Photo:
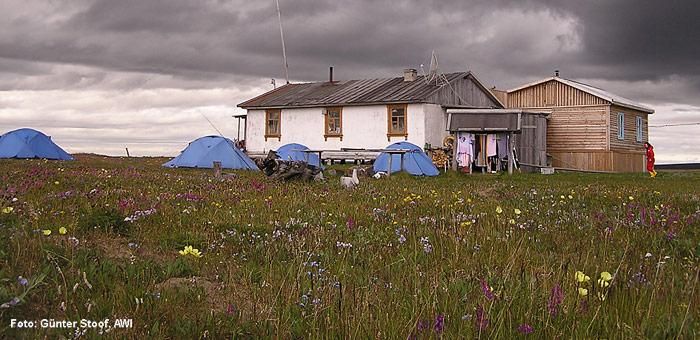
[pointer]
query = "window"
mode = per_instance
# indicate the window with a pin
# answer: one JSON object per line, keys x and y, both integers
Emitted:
{"x": 396, "y": 120}
{"x": 620, "y": 125}
{"x": 640, "y": 129}
{"x": 272, "y": 124}
{"x": 334, "y": 123}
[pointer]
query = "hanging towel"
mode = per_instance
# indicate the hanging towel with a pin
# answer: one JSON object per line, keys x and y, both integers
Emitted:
{"x": 491, "y": 145}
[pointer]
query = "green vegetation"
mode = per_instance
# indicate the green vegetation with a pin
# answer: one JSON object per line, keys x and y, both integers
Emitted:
{"x": 455, "y": 256}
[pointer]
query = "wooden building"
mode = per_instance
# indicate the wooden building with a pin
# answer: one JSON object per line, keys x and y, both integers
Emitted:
{"x": 588, "y": 128}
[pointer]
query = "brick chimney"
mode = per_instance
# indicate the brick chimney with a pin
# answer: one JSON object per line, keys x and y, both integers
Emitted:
{"x": 410, "y": 74}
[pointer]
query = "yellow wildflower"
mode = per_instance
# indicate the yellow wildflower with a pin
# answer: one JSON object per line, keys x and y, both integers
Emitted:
{"x": 631, "y": 198}
{"x": 581, "y": 277}
{"x": 511, "y": 221}
{"x": 605, "y": 279}
{"x": 571, "y": 197}
{"x": 46, "y": 232}
{"x": 189, "y": 250}
{"x": 195, "y": 252}
{"x": 517, "y": 211}
{"x": 499, "y": 209}
{"x": 62, "y": 230}
{"x": 185, "y": 251}
{"x": 7, "y": 210}
{"x": 582, "y": 291}
{"x": 57, "y": 182}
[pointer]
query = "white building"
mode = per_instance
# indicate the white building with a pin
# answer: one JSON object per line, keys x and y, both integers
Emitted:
{"x": 369, "y": 113}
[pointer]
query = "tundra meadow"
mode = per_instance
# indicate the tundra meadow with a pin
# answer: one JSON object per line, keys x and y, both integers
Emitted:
{"x": 187, "y": 255}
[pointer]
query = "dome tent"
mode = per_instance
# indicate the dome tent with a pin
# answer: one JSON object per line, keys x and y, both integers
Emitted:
{"x": 415, "y": 161}
{"x": 293, "y": 152}
{"x": 204, "y": 151}
{"x": 30, "y": 143}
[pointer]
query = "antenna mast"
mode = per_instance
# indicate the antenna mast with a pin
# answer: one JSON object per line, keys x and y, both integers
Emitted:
{"x": 284, "y": 50}
{"x": 212, "y": 124}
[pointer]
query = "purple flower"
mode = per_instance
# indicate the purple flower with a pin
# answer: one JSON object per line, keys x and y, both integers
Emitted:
{"x": 556, "y": 297}
{"x": 439, "y": 325}
{"x": 670, "y": 235}
{"x": 15, "y": 301}
{"x": 482, "y": 321}
{"x": 525, "y": 329}
{"x": 350, "y": 223}
{"x": 488, "y": 291}
{"x": 422, "y": 325}
{"x": 22, "y": 281}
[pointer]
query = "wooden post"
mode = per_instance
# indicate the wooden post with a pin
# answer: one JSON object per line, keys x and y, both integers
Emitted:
{"x": 390, "y": 158}
{"x": 127, "y": 152}
{"x": 454, "y": 153}
{"x": 511, "y": 154}
{"x": 401, "y": 155}
{"x": 217, "y": 169}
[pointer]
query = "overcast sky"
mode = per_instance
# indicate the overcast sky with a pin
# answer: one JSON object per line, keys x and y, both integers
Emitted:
{"x": 102, "y": 75}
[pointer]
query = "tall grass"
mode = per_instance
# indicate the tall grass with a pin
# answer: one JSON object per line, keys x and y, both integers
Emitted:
{"x": 490, "y": 256}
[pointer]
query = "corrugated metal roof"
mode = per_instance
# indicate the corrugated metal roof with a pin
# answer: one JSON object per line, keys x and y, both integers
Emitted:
{"x": 600, "y": 93}
{"x": 363, "y": 91}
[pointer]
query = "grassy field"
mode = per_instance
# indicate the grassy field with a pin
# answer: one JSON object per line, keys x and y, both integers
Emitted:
{"x": 490, "y": 256}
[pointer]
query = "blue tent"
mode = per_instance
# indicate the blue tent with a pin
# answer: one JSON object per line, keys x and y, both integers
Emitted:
{"x": 29, "y": 143}
{"x": 204, "y": 151}
{"x": 293, "y": 152}
{"x": 415, "y": 161}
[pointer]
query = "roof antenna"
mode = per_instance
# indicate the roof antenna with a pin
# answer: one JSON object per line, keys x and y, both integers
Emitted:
{"x": 556, "y": 73}
{"x": 212, "y": 124}
{"x": 284, "y": 50}
{"x": 434, "y": 73}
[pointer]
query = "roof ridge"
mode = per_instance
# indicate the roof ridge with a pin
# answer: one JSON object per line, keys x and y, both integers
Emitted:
{"x": 582, "y": 83}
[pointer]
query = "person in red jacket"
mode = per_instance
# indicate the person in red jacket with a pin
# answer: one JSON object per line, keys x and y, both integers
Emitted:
{"x": 650, "y": 159}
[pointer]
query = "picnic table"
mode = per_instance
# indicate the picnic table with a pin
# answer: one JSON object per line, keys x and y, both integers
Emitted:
{"x": 391, "y": 153}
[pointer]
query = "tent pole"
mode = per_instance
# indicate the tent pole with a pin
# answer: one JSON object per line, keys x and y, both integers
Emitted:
{"x": 511, "y": 146}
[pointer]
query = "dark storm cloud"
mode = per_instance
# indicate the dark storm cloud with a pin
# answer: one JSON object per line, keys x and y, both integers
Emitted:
{"x": 644, "y": 50}
{"x": 615, "y": 40}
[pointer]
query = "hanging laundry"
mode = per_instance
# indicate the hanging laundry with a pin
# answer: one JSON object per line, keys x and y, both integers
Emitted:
{"x": 481, "y": 153}
{"x": 502, "y": 146}
{"x": 491, "y": 145}
{"x": 464, "y": 149}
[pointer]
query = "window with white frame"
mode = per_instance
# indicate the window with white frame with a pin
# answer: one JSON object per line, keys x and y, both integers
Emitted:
{"x": 620, "y": 125}
{"x": 640, "y": 129}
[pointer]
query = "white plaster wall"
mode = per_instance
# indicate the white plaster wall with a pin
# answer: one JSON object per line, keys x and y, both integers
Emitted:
{"x": 363, "y": 127}
{"x": 435, "y": 124}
